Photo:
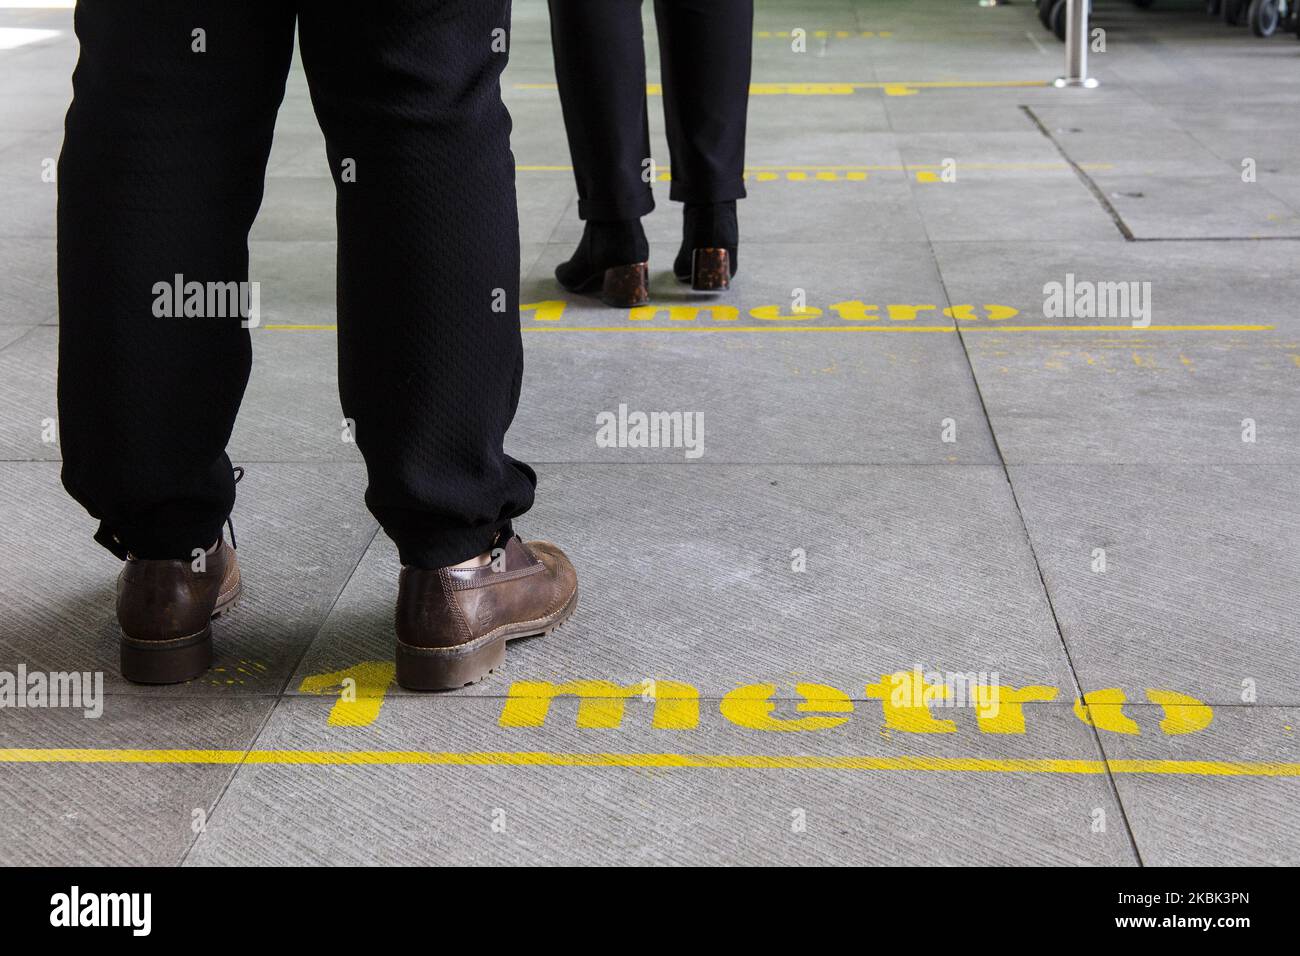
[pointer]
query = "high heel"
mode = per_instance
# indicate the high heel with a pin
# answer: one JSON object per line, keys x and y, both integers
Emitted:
{"x": 626, "y": 287}
{"x": 710, "y": 240}
{"x": 710, "y": 270}
{"x": 612, "y": 260}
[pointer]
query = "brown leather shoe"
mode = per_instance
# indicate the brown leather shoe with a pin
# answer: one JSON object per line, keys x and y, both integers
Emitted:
{"x": 453, "y": 623}
{"x": 166, "y": 610}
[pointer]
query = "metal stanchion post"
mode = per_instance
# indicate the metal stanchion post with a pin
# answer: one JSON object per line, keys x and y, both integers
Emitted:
{"x": 1076, "y": 46}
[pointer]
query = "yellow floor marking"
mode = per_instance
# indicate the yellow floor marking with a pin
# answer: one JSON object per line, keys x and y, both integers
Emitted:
{"x": 1113, "y": 328}
{"x": 858, "y": 167}
{"x": 682, "y": 328}
{"x": 891, "y": 88}
{"x": 286, "y": 327}
{"x": 741, "y": 328}
{"x": 360, "y": 689}
{"x": 1199, "y": 768}
{"x": 823, "y": 34}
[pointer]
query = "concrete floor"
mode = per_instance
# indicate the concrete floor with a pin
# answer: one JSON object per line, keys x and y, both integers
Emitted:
{"x": 981, "y": 554}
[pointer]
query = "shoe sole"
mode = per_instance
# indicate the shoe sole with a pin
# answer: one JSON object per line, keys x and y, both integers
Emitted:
{"x": 450, "y": 668}
{"x": 178, "y": 660}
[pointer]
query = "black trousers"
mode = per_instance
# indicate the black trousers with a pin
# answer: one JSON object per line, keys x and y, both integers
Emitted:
{"x": 705, "y": 52}
{"x": 161, "y": 175}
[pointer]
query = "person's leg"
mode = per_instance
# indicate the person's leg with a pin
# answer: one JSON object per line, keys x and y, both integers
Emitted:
{"x": 160, "y": 177}
{"x": 430, "y": 355}
{"x": 599, "y": 49}
{"x": 705, "y": 53}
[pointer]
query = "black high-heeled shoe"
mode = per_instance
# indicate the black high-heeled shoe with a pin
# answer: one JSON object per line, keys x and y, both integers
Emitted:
{"x": 708, "y": 258}
{"x": 612, "y": 260}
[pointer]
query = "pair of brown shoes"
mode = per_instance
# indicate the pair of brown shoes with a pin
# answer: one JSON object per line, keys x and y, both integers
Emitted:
{"x": 452, "y": 623}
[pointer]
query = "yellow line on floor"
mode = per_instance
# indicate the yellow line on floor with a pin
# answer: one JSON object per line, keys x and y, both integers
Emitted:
{"x": 739, "y": 328}
{"x": 1113, "y": 328}
{"x": 906, "y": 167}
{"x": 287, "y": 327}
{"x": 834, "y": 88}
{"x": 1210, "y": 768}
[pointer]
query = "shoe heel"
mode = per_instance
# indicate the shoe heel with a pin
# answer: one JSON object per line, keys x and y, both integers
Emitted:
{"x": 710, "y": 270}
{"x": 438, "y": 668}
{"x": 167, "y": 662}
{"x": 625, "y": 287}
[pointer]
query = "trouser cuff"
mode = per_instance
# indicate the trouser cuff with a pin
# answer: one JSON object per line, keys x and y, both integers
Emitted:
{"x": 449, "y": 546}
{"x": 622, "y": 209}
{"x": 723, "y": 191}
{"x": 173, "y": 543}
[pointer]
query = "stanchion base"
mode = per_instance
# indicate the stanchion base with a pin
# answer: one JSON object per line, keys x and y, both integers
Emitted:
{"x": 1087, "y": 82}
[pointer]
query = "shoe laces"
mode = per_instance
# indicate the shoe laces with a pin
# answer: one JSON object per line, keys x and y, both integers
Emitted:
{"x": 238, "y": 472}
